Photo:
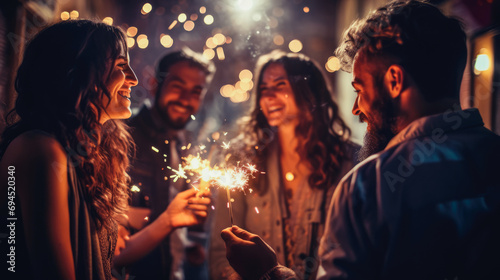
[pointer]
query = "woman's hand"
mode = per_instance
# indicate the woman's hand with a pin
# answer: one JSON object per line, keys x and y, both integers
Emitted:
{"x": 187, "y": 208}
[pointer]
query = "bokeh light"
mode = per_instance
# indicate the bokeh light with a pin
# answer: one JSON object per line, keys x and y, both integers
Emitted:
{"x": 210, "y": 43}
{"x": 295, "y": 46}
{"x": 227, "y": 90}
{"x": 203, "y": 10}
{"x": 146, "y": 9}
{"x": 64, "y": 15}
{"x": 239, "y": 96}
{"x": 142, "y": 41}
{"x": 172, "y": 25}
{"x": 130, "y": 42}
{"x": 245, "y": 75}
{"x": 189, "y": 25}
{"x": 220, "y": 53}
{"x": 166, "y": 41}
{"x": 74, "y": 14}
{"x": 108, "y": 20}
{"x": 182, "y": 18}
{"x": 193, "y": 17}
{"x": 208, "y": 20}
{"x": 131, "y": 31}
{"x": 246, "y": 85}
{"x": 278, "y": 40}
{"x": 209, "y": 53}
{"x": 306, "y": 10}
{"x": 219, "y": 39}
{"x": 332, "y": 64}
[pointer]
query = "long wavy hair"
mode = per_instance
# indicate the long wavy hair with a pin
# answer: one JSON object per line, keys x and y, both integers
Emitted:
{"x": 320, "y": 127}
{"x": 60, "y": 85}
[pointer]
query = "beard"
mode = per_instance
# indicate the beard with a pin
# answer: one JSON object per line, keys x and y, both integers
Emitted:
{"x": 381, "y": 126}
{"x": 178, "y": 123}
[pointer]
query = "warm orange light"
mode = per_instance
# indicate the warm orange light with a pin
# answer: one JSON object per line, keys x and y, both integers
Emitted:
{"x": 108, "y": 20}
{"x": 64, "y": 15}
{"x": 131, "y": 31}
{"x": 295, "y": 46}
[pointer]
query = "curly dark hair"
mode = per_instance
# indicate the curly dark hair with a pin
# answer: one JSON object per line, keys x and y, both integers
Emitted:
{"x": 324, "y": 133}
{"x": 61, "y": 84}
{"x": 430, "y": 46}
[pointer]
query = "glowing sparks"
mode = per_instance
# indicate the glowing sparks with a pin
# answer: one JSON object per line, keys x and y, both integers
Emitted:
{"x": 179, "y": 173}
{"x": 155, "y": 149}
{"x": 225, "y": 145}
{"x": 135, "y": 188}
{"x": 256, "y": 210}
{"x": 193, "y": 117}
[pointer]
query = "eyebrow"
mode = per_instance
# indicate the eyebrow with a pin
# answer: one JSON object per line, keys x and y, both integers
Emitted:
{"x": 356, "y": 82}
{"x": 122, "y": 57}
{"x": 177, "y": 79}
{"x": 275, "y": 80}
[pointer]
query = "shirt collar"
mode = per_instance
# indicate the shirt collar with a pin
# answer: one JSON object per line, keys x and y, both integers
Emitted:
{"x": 444, "y": 122}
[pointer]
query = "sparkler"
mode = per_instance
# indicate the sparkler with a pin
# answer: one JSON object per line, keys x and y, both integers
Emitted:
{"x": 229, "y": 178}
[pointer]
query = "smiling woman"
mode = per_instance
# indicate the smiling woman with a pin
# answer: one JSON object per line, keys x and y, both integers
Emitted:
{"x": 119, "y": 83}
{"x": 296, "y": 138}
{"x": 70, "y": 152}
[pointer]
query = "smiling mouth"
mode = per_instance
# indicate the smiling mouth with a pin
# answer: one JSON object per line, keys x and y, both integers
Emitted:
{"x": 125, "y": 94}
{"x": 181, "y": 109}
{"x": 274, "y": 109}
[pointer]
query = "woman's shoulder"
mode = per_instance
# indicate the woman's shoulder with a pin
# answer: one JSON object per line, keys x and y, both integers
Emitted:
{"x": 35, "y": 146}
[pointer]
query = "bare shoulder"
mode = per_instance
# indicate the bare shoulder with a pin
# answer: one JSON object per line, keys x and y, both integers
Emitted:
{"x": 34, "y": 147}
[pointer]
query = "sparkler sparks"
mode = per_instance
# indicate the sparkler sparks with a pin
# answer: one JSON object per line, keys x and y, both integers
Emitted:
{"x": 180, "y": 173}
{"x": 225, "y": 145}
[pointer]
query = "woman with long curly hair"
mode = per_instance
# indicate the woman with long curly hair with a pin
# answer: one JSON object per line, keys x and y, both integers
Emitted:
{"x": 297, "y": 139}
{"x": 68, "y": 152}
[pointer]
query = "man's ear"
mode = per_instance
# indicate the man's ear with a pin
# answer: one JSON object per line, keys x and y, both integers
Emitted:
{"x": 394, "y": 80}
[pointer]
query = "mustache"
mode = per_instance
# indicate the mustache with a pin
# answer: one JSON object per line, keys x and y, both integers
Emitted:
{"x": 362, "y": 118}
{"x": 189, "y": 107}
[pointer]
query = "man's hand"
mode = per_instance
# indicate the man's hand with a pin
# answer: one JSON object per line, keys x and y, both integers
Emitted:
{"x": 247, "y": 253}
{"x": 187, "y": 208}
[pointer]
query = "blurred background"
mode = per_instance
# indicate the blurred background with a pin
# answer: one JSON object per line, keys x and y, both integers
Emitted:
{"x": 234, "y": 33}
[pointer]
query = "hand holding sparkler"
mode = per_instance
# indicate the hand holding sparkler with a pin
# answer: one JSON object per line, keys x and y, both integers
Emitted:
{"x": 187, "y": 209}
{"x": 242, "y": 246}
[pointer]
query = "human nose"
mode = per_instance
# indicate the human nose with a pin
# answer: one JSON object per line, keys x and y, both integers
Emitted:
{"x": 355, "y": 109}
{"x": 268, "y": 93}
{"x": 131, "y": 78}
